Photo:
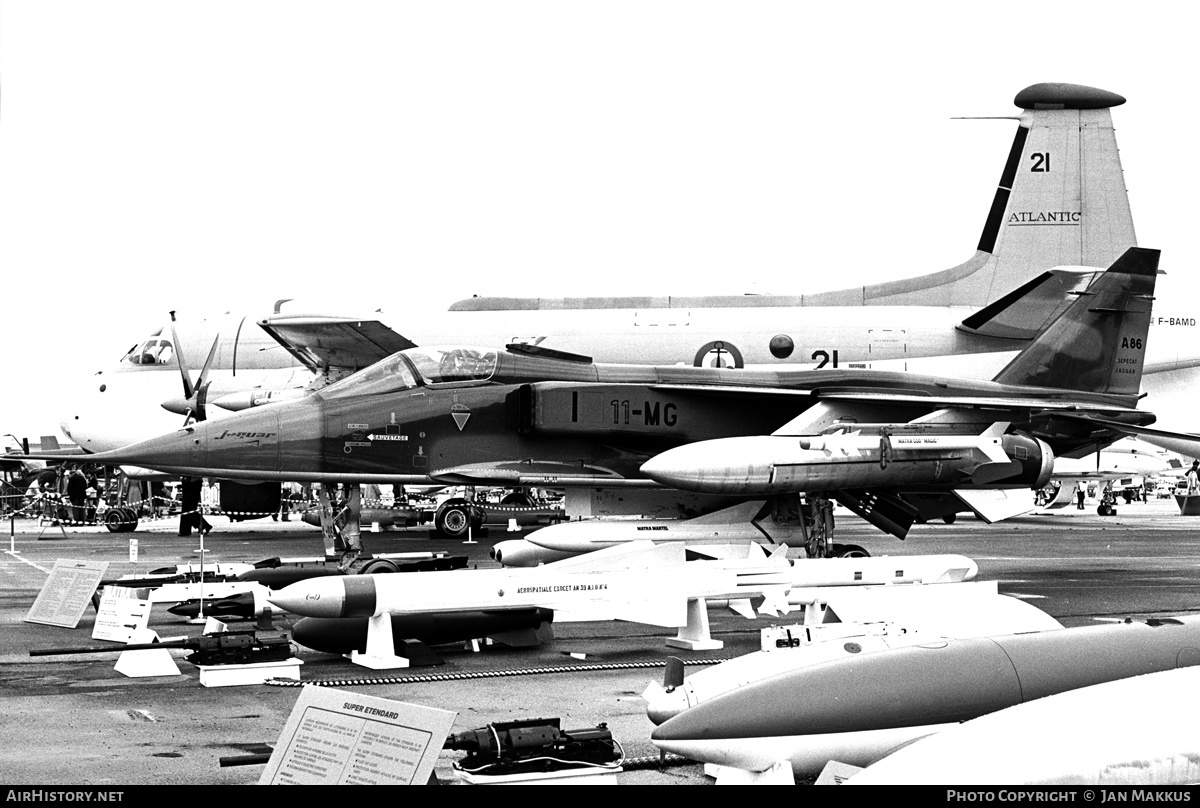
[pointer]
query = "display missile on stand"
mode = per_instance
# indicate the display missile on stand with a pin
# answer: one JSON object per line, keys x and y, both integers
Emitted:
{"x": 640, "y": 583}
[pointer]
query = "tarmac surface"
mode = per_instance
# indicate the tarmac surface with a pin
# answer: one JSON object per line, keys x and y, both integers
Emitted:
{"x": 73, "y": 720}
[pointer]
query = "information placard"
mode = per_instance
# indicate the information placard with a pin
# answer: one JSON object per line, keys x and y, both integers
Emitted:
{"x": 121, "y": 613}
{"x": 67, "y": 592}
{"x": 335, "y": 737}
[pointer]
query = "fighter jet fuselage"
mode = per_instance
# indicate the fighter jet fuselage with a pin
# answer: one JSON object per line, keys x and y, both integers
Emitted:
{"x": 476, "y": 416}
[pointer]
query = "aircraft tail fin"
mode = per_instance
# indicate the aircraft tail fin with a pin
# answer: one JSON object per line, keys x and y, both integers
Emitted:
{"x": 1061, "y": 201}
{"x": 1099, "y": 343}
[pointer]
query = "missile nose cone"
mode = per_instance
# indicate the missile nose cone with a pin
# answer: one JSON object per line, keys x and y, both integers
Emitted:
{"x": 561, "y": 538}
{"x": 317, "y": 597}
{"x": 675, "y": 468}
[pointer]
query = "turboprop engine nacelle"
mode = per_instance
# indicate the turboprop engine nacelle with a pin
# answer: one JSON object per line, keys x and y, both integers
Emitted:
{"x": 774, "y": 464}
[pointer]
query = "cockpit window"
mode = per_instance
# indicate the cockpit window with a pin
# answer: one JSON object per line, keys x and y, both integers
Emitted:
{"x": 386, "y": 376}
{"x": 438, "y": 365}
{"x": 151, "y": 352}
{"x": 433, "y": 366}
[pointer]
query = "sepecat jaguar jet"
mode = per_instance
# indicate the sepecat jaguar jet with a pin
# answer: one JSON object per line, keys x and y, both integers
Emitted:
{"x": 891, "y": 446}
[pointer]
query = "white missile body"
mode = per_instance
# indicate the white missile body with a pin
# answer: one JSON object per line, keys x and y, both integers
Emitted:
{"x": 1123, "y": 733}
{"x": 868, "y": 619}
{"x": 770, "y": 464}
{"x": 640, "y": 583}
{"x": 596, "y": 534}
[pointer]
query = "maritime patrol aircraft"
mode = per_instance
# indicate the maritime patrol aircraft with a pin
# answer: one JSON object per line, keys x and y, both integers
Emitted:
{"x": 1061, "y": 202}
{"x": 891, "y": 446}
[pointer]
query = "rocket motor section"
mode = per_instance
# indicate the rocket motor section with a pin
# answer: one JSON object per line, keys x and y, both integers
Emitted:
{"x": 1034, "y": 460}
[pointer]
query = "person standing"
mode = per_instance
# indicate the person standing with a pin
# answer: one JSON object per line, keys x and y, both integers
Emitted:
{"x": 77, "y": 495}
{"x": 1193, "y": 479}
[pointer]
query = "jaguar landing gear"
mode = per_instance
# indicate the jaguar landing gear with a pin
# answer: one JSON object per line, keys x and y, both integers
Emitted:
{"x": 814, "y": 515}
{"x": 341, "y": 526}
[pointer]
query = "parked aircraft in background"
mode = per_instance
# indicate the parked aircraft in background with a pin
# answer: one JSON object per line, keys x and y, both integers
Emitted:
{"x": 1044, "y": 215}
{"x": 890, "y": 446}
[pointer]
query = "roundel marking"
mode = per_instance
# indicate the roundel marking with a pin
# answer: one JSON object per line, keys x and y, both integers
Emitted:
{"x": 718, "y": 354}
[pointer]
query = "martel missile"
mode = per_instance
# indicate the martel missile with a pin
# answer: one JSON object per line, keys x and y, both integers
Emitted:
{"x": 524, "y": 553}
{"x": 773, "y": 464}
{"x": 857, "y": 621}
{"x": 641, "y": 583}
{"x": 857, "y": 710}
{"x": 1121, "y": 733}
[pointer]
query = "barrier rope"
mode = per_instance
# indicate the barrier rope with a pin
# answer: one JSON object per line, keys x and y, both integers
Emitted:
{"x": 461, "y": 675}
{"x": 55, "y": 507}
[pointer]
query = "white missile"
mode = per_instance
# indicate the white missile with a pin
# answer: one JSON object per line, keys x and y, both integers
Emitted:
{"x": 856, "y": 621}
{"x": 770, "y": 464}
{"x": 640, "y": 583}
{"x": 595, "y": 534}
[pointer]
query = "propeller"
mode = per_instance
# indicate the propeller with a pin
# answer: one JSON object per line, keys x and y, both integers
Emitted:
{"x": 195, "y": 397}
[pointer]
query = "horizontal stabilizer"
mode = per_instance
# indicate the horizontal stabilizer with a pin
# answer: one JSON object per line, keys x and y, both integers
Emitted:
{"x": 996, "y": 505}
{"x": 1023, "y": 312}
{"x": 1184, "y": 443}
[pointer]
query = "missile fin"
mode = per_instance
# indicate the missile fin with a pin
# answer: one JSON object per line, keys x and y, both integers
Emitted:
{"x": 742, "y": 607}
{"x": 775, "y": 605}
{"x": 996, "y": 504}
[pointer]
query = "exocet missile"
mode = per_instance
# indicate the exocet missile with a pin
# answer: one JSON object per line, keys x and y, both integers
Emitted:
{"x": 772, "y": 464}
{"x": 858, "y": 709}
{"x": 640, "y": 583}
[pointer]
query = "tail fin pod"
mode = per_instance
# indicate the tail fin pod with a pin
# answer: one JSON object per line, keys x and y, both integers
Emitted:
{"x": 1099, "y": 343}
{"x": 1061, "y": 201}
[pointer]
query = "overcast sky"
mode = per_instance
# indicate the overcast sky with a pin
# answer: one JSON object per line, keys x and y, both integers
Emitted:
{"x": 216, "y": 156}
